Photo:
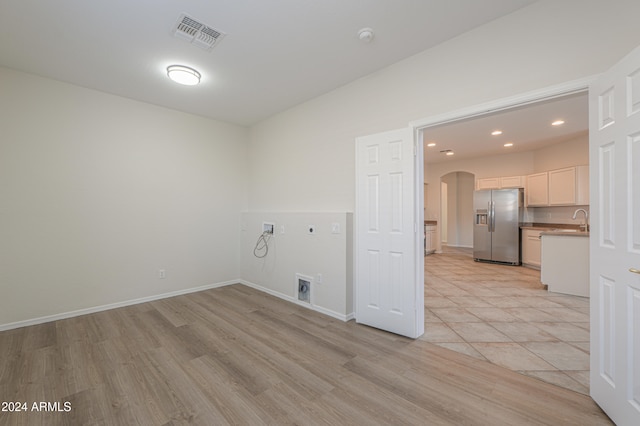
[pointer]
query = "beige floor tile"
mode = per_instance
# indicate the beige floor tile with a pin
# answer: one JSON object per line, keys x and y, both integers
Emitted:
{"x": 566, "y": 314}
{"x": 491, "y": 306}
{"x": 581, "y": 377}
{"x": 438, "y": 302}
{"x": 512, "y": 356}
{"x": 565, "y": 331}
{"x": 560, "y": 354}
{"x": 492, "y": 314}
{"x": 463, "y": 348}
{"x": 539, "y": 302}
{"x": 531, "y": 314}
{"x": 523, "y": 332}
{"x": 440, "y": 332}
{"x": 583, "y": 346}
{"x": 470, "y": 301}
{"x": 430, "y": 317}
{"x": 504, "y": 302}
{"x": 478, "y": 332}
{"x": 450, "y": 315}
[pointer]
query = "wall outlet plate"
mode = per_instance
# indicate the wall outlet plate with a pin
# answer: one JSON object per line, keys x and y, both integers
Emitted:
{"x": 268, "y": 227}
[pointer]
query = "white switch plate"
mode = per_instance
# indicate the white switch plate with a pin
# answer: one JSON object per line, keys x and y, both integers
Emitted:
{"x": 335, "y": 228}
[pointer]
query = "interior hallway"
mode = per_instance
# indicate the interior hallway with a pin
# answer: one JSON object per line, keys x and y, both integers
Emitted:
{"x": 503, "y": 314}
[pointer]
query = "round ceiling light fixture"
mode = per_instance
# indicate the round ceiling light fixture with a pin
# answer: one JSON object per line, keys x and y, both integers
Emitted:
{"x": 183, "y": 75}
{"x": 365, "y": 35}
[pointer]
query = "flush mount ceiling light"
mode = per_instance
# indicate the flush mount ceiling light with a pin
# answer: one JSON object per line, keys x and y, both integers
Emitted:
{"x": 447, "y": 152}
{"x": 183, "y": 75}
{"x": 365, "y": 35}
{"x": 431, "y": 144}
{"x": 558, "y": 123}
{"x": 496, "y": 132}
{"x": 507, "y": 145}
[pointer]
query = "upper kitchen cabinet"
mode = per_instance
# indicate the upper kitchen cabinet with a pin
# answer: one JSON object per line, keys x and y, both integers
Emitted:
{"x": 562, "y": 187}
{"x": 569, "y": 187}
{"x": 538, "y": 189}
{"x": 500, "y": 182}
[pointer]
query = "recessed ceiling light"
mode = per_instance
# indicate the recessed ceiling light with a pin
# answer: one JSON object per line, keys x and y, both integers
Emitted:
{"x": 508, "y": 144}
{"x": 183, "y": 75}
{"x": 558, "y": 123}
{"x": 431, "y": 144}
{"x": 496, "y": 132}
{"x": 449, "y": 153}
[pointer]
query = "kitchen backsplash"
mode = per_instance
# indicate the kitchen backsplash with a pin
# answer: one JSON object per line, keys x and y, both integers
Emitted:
{"x": 554, "y": 215}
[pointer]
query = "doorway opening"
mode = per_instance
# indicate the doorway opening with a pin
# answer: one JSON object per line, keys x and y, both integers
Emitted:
{"x": 499, "y": 313}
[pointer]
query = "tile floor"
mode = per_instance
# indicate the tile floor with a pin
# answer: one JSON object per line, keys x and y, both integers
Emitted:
{"x": 504, "y": 315}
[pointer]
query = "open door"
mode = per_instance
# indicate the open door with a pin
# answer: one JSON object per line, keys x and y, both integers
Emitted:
{"x": 389, "y": 262}
{"x": 614, "y": 150}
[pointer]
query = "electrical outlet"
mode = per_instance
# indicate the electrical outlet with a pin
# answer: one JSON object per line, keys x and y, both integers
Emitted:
{"x": 335, "y": 228}
{"x": 162, "y": 274}
{"x": 319, "y": 279}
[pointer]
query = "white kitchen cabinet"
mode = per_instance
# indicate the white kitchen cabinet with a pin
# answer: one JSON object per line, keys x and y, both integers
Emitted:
{"x": 531, "y": 248}
{"x": 429, "y": 239}
{"x": 512, "y": 182}
{"x": 488, "y": 183}
{"x": 500, "y": 182}
{"x": 565, "y": 264}
{"x": 538, "y": 189}
{"x": 569, "y": 186}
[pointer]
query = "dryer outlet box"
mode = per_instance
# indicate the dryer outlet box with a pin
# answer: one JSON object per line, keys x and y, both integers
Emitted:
{"x": 303, "y": 288}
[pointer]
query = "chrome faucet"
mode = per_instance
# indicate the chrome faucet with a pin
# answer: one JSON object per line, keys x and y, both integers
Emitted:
{"x": 585, "y": 226}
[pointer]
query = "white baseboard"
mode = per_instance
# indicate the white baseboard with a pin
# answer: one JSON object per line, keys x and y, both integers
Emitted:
{"x": 283, "y": 296}
{"x": 94, "y": 309}
{"x": 79, "y": 312}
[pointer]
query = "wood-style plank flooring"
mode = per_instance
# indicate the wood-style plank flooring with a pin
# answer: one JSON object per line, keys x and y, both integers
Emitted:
{"x": 234, "y": 355}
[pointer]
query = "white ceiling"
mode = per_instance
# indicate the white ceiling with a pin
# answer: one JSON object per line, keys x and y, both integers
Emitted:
{"x": 528, "y": 128}
{"x": 277, "y": 53}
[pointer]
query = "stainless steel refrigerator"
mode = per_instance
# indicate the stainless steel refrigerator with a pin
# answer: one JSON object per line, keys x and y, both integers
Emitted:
{"x": 496, "y": 228}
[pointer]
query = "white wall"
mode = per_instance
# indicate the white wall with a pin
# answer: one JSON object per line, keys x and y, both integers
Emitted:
{"x": 292, "y": 250}
{"x": 460, "y": 187}
{"x": 303, "y": 158}
{"x": 574, "y": 152}
{"x": 98, "y": 192}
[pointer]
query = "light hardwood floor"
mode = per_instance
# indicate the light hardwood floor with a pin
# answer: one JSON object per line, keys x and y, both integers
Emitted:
{"x": 234, "y": 355}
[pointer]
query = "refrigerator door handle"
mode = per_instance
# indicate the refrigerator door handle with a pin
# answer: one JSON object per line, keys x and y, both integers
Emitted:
{"x": 493, "y": 216}
{"x": 490, "y": 217}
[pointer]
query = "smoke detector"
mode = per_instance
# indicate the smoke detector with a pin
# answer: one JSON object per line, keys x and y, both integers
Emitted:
{"x": 365, "y": 35}
{"x": 196, "y": 32}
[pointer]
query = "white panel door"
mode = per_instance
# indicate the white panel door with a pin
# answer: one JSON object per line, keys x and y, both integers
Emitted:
{"x": 614, "y": 129}
{"x": 389, "y": 287}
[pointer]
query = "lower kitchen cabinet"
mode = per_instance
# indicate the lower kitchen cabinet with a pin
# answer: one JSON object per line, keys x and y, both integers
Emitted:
{"x": 429, "y": 239}
{"x": 531, "y": 248}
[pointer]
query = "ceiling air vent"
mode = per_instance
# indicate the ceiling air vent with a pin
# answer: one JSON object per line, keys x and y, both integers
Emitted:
{"x": 197, "y": 33}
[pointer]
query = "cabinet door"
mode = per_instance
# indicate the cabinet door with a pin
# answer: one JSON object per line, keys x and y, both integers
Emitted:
{"x": 562, "y": 187}
{"x": 488, "y": 183}
{"x": 538, "y": 189}
{"x": 512, "y": 182}
{"x": 531, "y": 247}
